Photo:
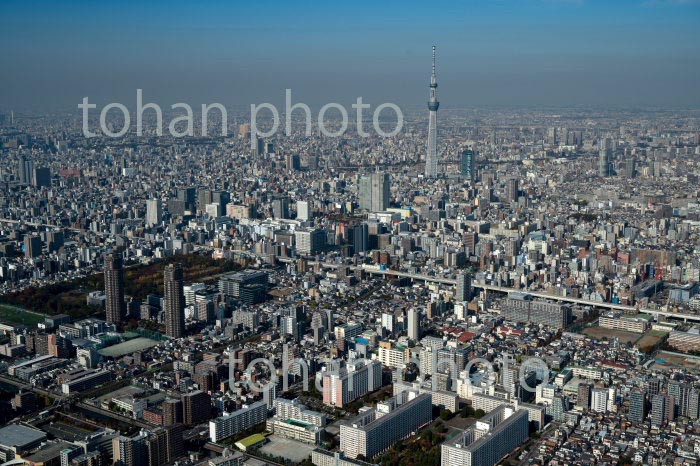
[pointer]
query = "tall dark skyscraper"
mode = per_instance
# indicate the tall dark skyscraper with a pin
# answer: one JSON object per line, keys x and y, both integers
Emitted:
{"x": 431, "y": 158}
{"x": 174, "y": 301}
{"x": 512, "y": 190}
{"x": 114, "y": 289}
{"x": 41, "y": 178}
{"x": 25, "y": 170}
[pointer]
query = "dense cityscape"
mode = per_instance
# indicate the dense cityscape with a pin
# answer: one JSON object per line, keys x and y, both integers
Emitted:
{"x": 512, "y": 286}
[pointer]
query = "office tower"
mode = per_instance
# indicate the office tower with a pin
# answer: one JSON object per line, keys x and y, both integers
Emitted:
{"x": 464, "y": 288}
{"x": 431, "y": 158}
{"x": 599, "y": 400}
{"x": 467, "y": 165}
{"x": 413, "y": 324}
{"x": 115, "y": 305}
{"x": 174, "y": 301}
{"x": 637, "y": 411}
{"x": 380, "y": 191}
{"x": 196, "y": 407}
{"x": 280, "y": 207}
{"x": 309, "y": 240}
{"x": 375, "y": 192}
{"x": 188, "y": 196}
{"x": 292, "y": 162}
{"x": 489, "y": 440}
{"x": 630, "y": 168}
{"x": 374, "y": 430}
{"x": 318, "y": 327}
{"x": 32, "y": 246}
{"x": 41, "y": 177}
{"x": 303, "y": 211}
{"x": 661, "y": 409}
{"x": 584, "y": 395}
{"x": 552, "y": 136}
{"x": 204, "y": 197}
{"x": 259, "y": 148}
{"x": 25, "y": 170}
{"x": 512, "y": 190}
{"x": 222, "y": 198}
{"x": 154, "y": 212}
{"x": 604, "y": 159}
{"x": 360, "y": 238}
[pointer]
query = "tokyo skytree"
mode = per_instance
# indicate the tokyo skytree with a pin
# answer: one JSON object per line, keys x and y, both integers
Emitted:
{"x": 431, "y": 159}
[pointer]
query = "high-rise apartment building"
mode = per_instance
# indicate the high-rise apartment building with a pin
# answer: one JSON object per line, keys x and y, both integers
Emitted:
{"x": 351, "y": 382}
{"x": 413, "y": 324}
{"x": 196, "y": 407}
{"x": 638, "y": 409}
{"x": 661, "y": 409}
{"x": 464, "y": 288}
{"x": 115, "y": 305}
{"x": 174, "y": 301}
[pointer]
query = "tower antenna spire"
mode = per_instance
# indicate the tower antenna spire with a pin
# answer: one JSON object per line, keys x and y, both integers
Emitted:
{"x": 432, "y": 157}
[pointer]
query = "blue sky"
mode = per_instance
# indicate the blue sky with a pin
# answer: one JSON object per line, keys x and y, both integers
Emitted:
{"x": 536, "y": 53}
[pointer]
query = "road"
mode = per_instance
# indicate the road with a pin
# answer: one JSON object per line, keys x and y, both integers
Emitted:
{"x": 501, "y": 289}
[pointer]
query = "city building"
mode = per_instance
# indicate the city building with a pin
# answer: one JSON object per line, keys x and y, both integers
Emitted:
{"x": 173, "y": 282}
{"x": 375, "y": 192}
{"x": 374, "y": 430}
{"x": 237, "y": 421}
{"x": 115, "y": 306}
{"x": 196, "y": 408}
{"x": 489, "y": 440}
{"x": 432, "y": 159}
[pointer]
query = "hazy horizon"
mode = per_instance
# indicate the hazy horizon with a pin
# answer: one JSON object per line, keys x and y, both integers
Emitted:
{"x": 531, "y": 53}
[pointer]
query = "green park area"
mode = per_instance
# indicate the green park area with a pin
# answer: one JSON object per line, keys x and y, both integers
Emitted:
{"x": 13, "y": 315}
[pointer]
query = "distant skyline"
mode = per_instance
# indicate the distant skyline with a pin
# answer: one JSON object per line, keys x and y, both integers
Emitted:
{"x": 539, "y": 53}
